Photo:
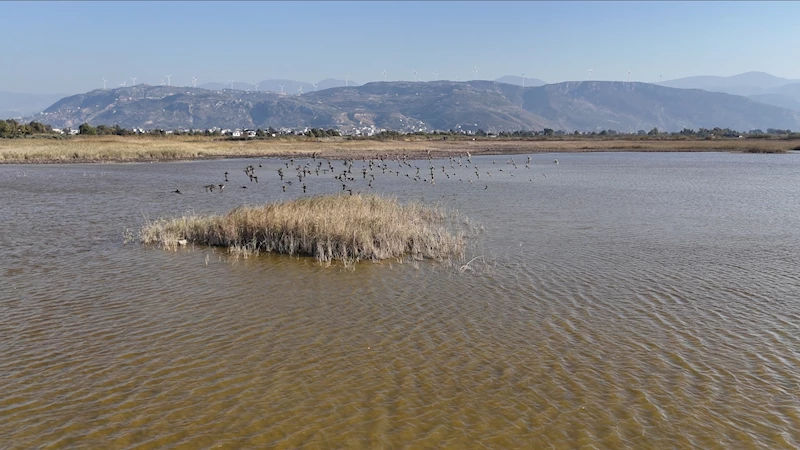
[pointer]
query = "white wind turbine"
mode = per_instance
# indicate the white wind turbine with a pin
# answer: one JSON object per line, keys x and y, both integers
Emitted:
{"x": 346, "y": 78}
{"x": 194, "y": 81}
{"x": 257, "y": 87}
{"x": 315, "y": 87}
{"x": 384, "y": 75}
{"x": 124, "y": 83}
{"x": 103, "y": 79}
{"x": 281, "y": 86}
{"x": 629, "y": 76}
{"x": 231, "y": 82}
{"x": 134, "y": 81}
{"x": 523, "y": 79}
{"x": 168, "y": 79}
{"x": 415, "y": 76}
{"x": 590, "y": 74}
{"x": 300, "y": 90}
{"x": 476, "y": 72}
{"x": 434, "y": 75}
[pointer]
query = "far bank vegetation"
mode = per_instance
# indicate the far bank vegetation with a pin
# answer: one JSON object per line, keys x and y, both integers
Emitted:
{"x": 37, "y": 143}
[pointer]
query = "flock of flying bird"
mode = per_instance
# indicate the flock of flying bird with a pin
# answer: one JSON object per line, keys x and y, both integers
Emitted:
{"x": 346, "y": 171}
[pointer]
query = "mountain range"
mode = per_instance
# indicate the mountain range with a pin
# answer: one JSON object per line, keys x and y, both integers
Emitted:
{"x": 416, "y": 106}
{"x": 759, "y": 86}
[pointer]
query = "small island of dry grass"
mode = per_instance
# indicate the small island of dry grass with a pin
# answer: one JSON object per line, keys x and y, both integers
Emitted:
{"x": 346, "y": 228}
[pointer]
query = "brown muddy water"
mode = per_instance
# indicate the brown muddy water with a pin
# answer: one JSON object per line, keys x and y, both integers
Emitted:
{"x": 618, "y": 300}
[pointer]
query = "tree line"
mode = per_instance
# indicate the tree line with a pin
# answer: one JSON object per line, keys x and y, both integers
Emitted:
{"x": 13, "y": 129}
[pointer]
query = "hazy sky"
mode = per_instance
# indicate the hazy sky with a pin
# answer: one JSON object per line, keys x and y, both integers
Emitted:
{"x": 66, "y": 47}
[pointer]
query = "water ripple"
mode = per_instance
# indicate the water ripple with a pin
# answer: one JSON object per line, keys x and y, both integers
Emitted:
{"x": 624, "y": 301}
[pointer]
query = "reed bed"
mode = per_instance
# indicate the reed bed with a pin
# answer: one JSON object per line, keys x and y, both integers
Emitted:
{"x": 143, "y": 148}
{"x": 346, "y": 228}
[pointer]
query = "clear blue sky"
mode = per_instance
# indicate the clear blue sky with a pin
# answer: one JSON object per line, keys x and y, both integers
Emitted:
{"x": 66, "y": 47}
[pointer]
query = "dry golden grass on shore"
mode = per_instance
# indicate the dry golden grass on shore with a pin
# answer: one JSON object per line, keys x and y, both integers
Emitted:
{"x": 346, "y": 228}
{"x": 140, "y": 148}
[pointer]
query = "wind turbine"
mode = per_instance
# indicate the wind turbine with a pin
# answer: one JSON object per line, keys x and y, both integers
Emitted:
{"x": 434, "y": 75}
{"x": 590, "y": 74}
{"x": 231, "y": 82}
{"x": 523, "y": 79}
{"x": 257, "y": 88}
{"x": 476, "y": 72}
{"x": 168, "y": 79}
{"x": 194, "y": 81}
{"x": 103, "y": 79}
{"x": 345, "y": 79}
{"x": 300, "y": 90}
{"x": 315, "y": 87}
{"x": 659, "y": 78}
{"x": 124, "y": 83}
{"x": 134, "y": 81}
{"x": 281, "y": 86}
{"x": 162, "y": 82}
{"x": 384, "y": 75}
{"x": 415, "y": 76}
{"x": 629, "y": 76}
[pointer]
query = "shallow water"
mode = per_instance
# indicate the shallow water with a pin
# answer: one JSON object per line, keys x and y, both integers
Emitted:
{"x": 617, "y": 300}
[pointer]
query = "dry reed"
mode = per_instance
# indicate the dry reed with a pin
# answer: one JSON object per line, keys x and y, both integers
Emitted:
{"x": 346, "y": 228}
{"x": 143, "y": 148}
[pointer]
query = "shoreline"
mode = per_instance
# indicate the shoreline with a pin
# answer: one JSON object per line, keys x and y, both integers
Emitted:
{"x": 115, "y": 149}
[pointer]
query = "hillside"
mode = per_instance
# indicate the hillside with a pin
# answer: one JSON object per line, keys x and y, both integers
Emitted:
{"x": 407, "y": 106}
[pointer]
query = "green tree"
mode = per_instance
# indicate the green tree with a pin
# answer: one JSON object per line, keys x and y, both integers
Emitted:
{"x": 87, "y": 129}
{"x": 653, "y": 132}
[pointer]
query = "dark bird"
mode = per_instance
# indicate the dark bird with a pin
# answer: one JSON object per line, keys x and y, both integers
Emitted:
{"x": 177, "y": 192}
{"x": 244, "y": 187}
{"x": 221, "y": 187}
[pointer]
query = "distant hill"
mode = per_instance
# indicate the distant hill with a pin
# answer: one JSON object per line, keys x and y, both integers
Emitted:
{"x": 515, "y": 80}
{"x": 758, "y": 81}
{"x": 781, "y": 100}
{"x": 436, "y": 105}
{"x": 288, "y": 86}
{"x": 13, "y": 105}
{"x": 759, "y": 86}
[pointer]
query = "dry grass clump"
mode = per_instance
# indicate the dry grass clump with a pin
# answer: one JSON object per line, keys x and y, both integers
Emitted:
{"x": 329, "y": 227}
